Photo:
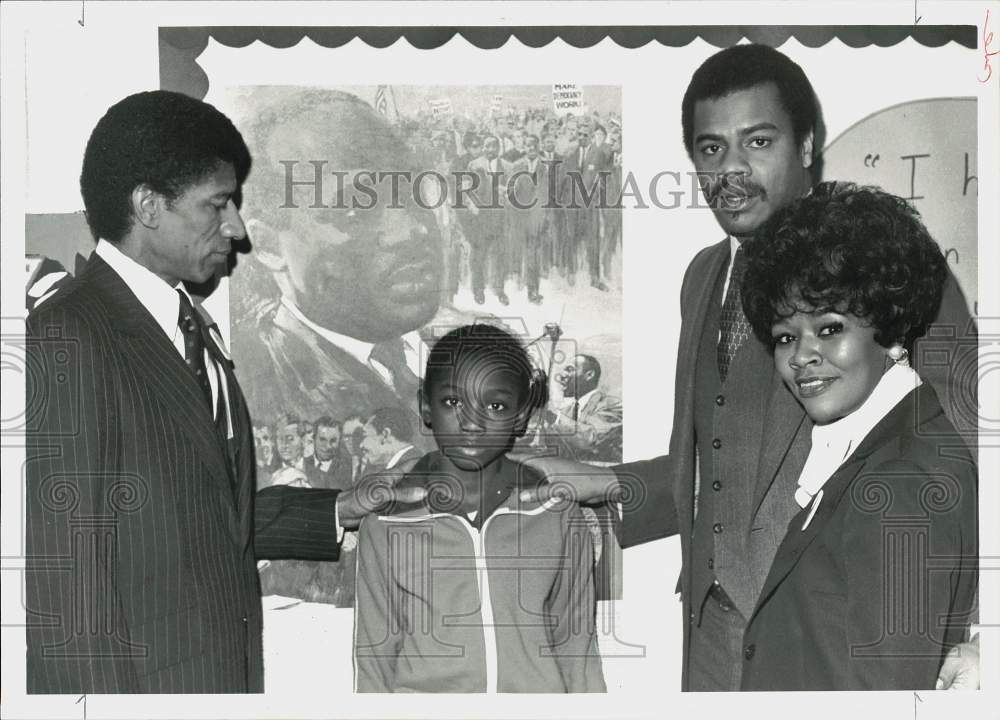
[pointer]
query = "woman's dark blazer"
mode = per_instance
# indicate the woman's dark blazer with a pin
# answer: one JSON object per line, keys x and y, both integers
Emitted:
{"x": 880, "y": 584}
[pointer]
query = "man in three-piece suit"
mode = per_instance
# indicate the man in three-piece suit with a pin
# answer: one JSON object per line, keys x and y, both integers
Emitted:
{"x": 143, "y": 527}
{"x": 739, "y": 439}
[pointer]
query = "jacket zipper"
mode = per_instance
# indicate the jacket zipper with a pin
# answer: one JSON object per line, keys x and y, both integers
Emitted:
{"x": 482, "y": 578}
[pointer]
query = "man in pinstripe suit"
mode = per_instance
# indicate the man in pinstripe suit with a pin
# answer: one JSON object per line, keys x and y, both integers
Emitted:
{"x": 143, "y": 526}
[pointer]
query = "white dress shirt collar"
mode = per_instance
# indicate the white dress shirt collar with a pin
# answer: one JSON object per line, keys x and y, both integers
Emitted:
{"x": 152, "y": 291}
{"x": 834, "y": 442}
{"x": 359, "y": 349}
{"x": 734, "y": 245}
{"x": 164, "y": 305}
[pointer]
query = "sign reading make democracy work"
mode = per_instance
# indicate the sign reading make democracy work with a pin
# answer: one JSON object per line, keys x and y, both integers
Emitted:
{"x": 567, "y": 99}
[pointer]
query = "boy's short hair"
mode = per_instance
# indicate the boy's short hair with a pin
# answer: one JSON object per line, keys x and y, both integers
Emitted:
{"x": 495, "y": 343}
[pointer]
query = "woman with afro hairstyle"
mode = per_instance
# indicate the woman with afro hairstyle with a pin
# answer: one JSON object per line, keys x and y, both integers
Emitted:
{"x": 876, "y": 576}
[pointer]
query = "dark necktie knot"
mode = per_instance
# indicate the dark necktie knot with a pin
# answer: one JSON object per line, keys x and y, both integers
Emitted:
{"x": 733, "y": 326}
{"x": 194, "y": 345}
{"x": 193, "y": 329}
{"x": 739, "y": 268}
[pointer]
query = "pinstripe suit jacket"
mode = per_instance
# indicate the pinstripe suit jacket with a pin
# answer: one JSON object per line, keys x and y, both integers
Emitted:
{"x": 143, "y": 529}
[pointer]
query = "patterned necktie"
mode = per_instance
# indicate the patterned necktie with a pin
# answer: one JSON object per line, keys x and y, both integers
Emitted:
{"x": 391, "y": 355}
{"x": 194, "y": 345}
{"x": 576, "y": 409}
{"x": 733, "y": 323}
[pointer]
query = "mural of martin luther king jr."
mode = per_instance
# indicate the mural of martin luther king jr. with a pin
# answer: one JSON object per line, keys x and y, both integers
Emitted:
{"x": 341, "y": 278}
{"x": 326, "y": 307}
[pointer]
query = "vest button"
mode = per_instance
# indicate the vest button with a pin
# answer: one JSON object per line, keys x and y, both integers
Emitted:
{"x": 717, "y": 528}
{"x": 711, "y": 563}
{"x": 720, "y": 400}
{"x": 749, "y": 651}
{"x": 716, "y": 486}
{"x": 716, "y": 443}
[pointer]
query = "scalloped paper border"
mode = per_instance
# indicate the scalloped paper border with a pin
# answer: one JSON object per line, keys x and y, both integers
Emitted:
{"x": 181, "y": 46}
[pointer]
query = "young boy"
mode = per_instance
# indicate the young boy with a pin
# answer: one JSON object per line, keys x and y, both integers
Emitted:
{"x": 471, "y": 590}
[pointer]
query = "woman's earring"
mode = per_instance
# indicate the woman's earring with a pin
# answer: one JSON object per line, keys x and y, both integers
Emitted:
{"x": 899, "y": 355}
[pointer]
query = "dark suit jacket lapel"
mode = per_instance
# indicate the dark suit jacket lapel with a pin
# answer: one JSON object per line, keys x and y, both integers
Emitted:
{"x": 245, "y": 465}
{"x": 242, "y": 460}
{"x": 158, "y": 365}
{"x": 695, "y": 322}
{"x": 691, "y": 328}
{"x": 797, "y": 540}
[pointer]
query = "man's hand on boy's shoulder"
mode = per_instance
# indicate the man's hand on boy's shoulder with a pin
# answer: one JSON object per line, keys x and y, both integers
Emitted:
{"x": 568, "y": 479}
{"x": 374, "y": 492}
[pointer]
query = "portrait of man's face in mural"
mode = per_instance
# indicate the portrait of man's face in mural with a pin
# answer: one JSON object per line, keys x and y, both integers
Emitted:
{"x": 344, "y": 260}
{"x": 362, "y": 266}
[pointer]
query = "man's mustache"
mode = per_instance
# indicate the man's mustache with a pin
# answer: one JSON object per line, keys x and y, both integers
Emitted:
{"x": 729, "y": 190}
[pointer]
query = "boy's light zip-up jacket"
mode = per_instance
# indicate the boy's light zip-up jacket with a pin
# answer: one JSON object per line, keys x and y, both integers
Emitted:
{"x": 443, "y": 606}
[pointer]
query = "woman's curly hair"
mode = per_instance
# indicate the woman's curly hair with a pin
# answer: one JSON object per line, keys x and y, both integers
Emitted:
{"x": 852, "y": 249}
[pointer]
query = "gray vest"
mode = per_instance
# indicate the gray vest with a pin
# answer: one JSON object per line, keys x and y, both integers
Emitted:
{"x": 731, "y": 542}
